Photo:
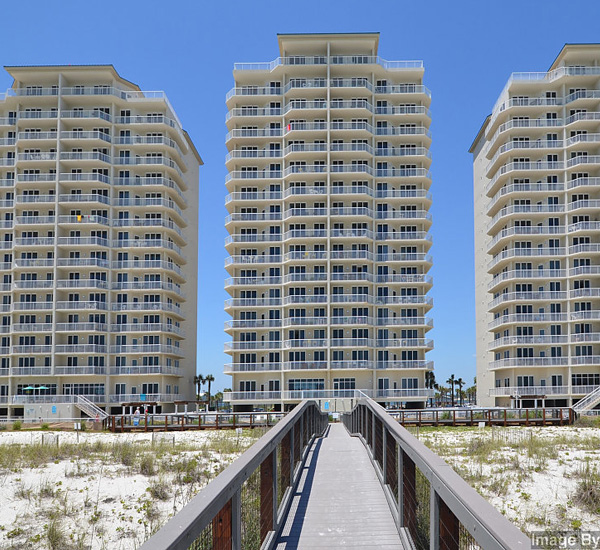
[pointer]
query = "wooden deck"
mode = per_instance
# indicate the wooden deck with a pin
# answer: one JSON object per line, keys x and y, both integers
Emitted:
{"x": 339, "y": 501}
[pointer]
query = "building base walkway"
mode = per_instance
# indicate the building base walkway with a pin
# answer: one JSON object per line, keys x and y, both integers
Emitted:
{"x": 339, "y": 501}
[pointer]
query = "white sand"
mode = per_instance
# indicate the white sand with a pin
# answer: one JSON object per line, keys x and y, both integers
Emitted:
{"x": 533, "y": 492}
{"x": 101, "y": 502}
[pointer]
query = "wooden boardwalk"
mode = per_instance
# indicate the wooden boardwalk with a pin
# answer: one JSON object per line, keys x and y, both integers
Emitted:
{"x": 339, "y": 501}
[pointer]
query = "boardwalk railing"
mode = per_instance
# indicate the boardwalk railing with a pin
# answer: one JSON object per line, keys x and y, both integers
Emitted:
{"x": 245, "y": 506}
{"x": 430, "y": 502}
{"x": 192, "y": 421}
{"x": 491, "y": 417}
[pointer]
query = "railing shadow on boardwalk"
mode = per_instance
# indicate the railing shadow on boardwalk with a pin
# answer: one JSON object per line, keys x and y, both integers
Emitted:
{"x": 299, "y": 506}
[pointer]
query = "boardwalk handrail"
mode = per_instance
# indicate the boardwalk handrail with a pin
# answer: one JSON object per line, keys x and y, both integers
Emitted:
{"x": 428, "y": 499}
{"x": 246, "y": 504}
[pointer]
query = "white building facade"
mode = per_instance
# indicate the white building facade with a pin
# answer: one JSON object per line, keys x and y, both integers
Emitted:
{"x": 537, "y": 246}
{"x": 328, "y": 202}
{"x": 98, "y": 230}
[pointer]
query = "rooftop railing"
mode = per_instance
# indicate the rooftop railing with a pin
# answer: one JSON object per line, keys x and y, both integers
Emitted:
{"x": 358, "y": 59}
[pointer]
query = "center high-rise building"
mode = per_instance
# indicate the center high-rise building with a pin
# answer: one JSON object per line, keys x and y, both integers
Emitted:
{"x": 328, "y": 224}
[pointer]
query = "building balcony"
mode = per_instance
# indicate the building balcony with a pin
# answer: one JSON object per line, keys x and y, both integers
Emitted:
{"x": 101, "y": 306}
{"x": 37, "y": 136}
{"x": 145, "y": 369}
{"x": 524, "y": 391}
{"x": 141, "y": 397}
{"x": 253, "y": 238}
{"x": 518, "y": 231}
{"x": 518, "y": 318}
{"x": 148, "y": 285}
{"x": 79, "y": 198}
{"x": 40, "y": 399}
{"x": 304, "y": 321}
{"x": 527, "y": 340}
{"x": 83, "y": 241}
{"x": 410, "y": 257}
{"x": 252, "y": 302}
{"x": 526, "y": 275}
{"x": 528, "y": 296}
{"x": 252, "y": 281}
{"x": 253, "y": 217}
{"x": 256, "y": 345}
{"x": 425, "y": 322}
{"x": 258, "y": 153}
{"x": 305, "y": 255}
{"x": 27, "y": 178}
{"x": 42, "y": 156}
{"x": 35, "y": 220}
{"x": 81, "y": 262}
{"x": 31, "y": 327}
{"x": 32, "y": 284}
{"x": 148, "y": 264}
{"x": 252, "y": 323}
{"x": 91, "y": 135}
{"x": 79, "y": 370}
{"x": 28, "y": 199}
{"x": 147, "y": 348}
{"x": 513, "y": 362}
{"x": 585, "y": 248}
{"x": 148, "y": 327}
{"x": 252, "y": 259}
{"x": 147, "y": 306}
{"x": 32, "y": 306}
{"x": 80, "y": 348}
{"x": 521, "y": 210}
{"x": 520, "y": 253}
{"x": 252, "y": 367}
{"x": 305, "y": 299}
{"x": 32, "y": 349}
{"x": 525, "y": 169}
{"x": 31, "y": 371}
{"x": 95, "y": 114}
{"x": 81, "y": 327}
{"x": 525, "y": 189}
{"x": 30, "y": 263}
{"x": 585, "y": 360}
{"x": 260, "y": 196}
{"x": 299, "y": 395}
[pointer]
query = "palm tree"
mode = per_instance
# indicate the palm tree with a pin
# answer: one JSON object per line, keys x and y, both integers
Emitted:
{"x": 198, "y": 382}
{"x": 218, "y": 399}
{"x": 451, "y": 381}
{"x": 430, "y": 382}
{"x": 460, "y": 383}
{"x": 208, "y": 379}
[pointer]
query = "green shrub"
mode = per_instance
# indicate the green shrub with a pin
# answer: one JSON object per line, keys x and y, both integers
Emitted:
{"x": 45, "y": 426}
{"x": 17, "y": 425}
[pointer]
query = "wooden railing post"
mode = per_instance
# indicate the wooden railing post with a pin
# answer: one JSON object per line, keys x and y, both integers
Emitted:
{"x": 221, "y": 528}
{"x": 236, "y": 520}
{"x": 434, "y": 519}
{"x": 373, "y": 433}
{"x": 384, "y": 452}
{"x": 268, "y": 488}
{"x": 286, "y": 447}
{"x": 390, "y": 460}
{"x": 409, "y": 496}
{"x": 400, "y": 482}
{"x": 449, "y": 527}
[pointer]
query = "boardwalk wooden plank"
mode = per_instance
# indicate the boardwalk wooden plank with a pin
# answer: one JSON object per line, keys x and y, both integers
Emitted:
{"x": 339, "y": 501}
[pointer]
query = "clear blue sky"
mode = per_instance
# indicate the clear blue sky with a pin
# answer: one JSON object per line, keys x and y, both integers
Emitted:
{"x": 188, "y": 48}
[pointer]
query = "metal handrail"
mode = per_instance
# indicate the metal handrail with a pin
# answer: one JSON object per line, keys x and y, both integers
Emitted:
{"x": 452, "y": 501}
{"x": 223, "y": 496}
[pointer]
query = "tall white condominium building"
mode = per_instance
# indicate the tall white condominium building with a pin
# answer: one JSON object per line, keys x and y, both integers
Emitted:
{"x": 98, "y": 202}
{"x": 328, "y": 224}
{"x": 537, "y": 236}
